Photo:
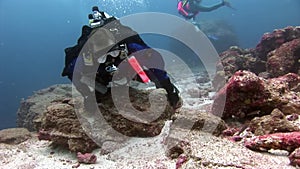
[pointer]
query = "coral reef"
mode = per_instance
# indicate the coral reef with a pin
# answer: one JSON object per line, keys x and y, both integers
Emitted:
{"x": 235, "y": 59}
{"x": 276, "y": 54}
{"x": 284, "y": 59}
{"x": 269, "y": 133}
{"x": 256, "y": 107}
{"x": 247, "y": 94}
{"x": 132, "y": 123}
{"x": 273, "y": 40}
{"x": 283, "y": 141}
{"x": 273, "y": 123}
{"x": 259, "y": 97}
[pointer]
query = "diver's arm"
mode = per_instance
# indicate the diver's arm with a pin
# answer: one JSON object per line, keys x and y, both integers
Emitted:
{"x": 208, "y": 9}
{"x": 181, "y": 9}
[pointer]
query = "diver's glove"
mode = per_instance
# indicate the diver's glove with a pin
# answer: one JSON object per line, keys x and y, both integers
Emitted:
{"x": 174, "y": 100}
{"x": 172, "y": 93}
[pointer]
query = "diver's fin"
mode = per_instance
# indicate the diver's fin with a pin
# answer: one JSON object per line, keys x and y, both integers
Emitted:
{"x": 228, "y": 4}
{"x": 184, "y": 2}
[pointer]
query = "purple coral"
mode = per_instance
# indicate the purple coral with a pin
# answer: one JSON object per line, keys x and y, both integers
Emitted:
{"x": 243, "y": 90}
{"x": 180, "y": 160}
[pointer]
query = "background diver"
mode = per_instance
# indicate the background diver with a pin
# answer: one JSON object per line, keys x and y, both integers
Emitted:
{"x": 189, "y": 9}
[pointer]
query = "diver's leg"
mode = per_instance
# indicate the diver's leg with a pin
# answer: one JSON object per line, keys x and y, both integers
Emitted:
{"x": 161, "y": 80}
{"x": 82, "y": 87}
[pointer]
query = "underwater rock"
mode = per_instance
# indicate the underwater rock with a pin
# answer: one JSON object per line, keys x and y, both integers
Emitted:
{"x": 273, "y": 40}
{"x": 273, "y": 123}
{"x": 86, "y": 158}
{"x": 36, "y": 104}
{"x": 66, "y": 127}
{"x": 60, "y": 125}
{"x": 138, "y": 117}
{"x": 235, "y": 59}
{"x": 294, "y": 157}
{"x": 276, "y": 141}
{"x": 14, "y": 135}
{"x": 198, "y": 120}
{"x": 245, "y": 93}
{"x": 276, "y": 54}
{"x": 284, "y": 59}
{"x": 243, "y": 90}
{"x": 202, "y": 150}
{"x": 185, "y": 121}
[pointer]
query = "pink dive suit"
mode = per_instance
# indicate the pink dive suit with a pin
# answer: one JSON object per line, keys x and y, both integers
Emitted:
{"x": 184, "y": 10}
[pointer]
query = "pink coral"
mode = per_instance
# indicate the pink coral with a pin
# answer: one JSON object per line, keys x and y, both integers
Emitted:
{"x": 86, "y": 158}
{"x": 245, "y": 93}
{"x": 243, "y": 90}
{"x": 283, "y": 141}
{"x": 180, "y": 160}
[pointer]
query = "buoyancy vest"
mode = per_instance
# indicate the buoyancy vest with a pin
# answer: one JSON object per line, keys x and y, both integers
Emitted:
{"x": 183, "y": 8}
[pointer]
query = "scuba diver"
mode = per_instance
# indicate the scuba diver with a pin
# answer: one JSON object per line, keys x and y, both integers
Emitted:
{"x": 97, "y": 18}
{"x": 102, "y": 47}
{"x": 189, "y": 9}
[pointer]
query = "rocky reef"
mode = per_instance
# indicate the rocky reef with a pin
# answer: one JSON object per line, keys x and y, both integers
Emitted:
{"x": 60, "y": 125}
{"x": 14, "y": 135}
{"x": 63, "y": 126}
{"x": 276, "y": 54}
{"x": 247, "y": 94}
{"x": 38, "y": 102}
{"x": 260, "y": 97}
{"x": 256, "y": 108}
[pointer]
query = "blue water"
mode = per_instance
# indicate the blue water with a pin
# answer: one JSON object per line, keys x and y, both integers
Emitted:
{"x": 34, "y": 33}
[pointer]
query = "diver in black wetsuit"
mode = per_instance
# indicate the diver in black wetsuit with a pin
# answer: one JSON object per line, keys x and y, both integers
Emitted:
{"x": 99, "y": 37}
